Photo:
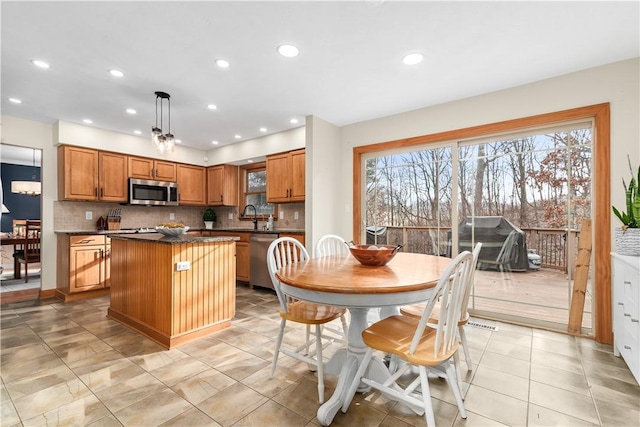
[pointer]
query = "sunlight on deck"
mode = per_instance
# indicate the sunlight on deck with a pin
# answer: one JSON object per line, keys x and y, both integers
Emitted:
{"x": 540, "y": 295}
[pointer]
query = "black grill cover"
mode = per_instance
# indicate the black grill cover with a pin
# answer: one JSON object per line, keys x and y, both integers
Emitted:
{"x": 492, "y": 231}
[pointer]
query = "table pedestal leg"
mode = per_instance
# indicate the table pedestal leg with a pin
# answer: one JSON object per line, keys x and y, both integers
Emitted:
{"x": 347, "y": 361}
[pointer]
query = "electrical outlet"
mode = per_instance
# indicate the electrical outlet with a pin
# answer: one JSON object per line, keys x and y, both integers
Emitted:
{"x": 88, "y": 215}
{"x": 295, "y": 215}
{"x": 281, "y": 215}
{"x": 230, "y": 215}
{"x": 172, "y": 216}
{"x": 183, "y": 265}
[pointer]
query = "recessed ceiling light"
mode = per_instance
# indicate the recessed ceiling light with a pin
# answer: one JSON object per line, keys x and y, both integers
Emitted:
{"x": 212, "y": 107}
{"x": 413, "y": 59}
{"x": 215, "y": 142}
{"x": 131, "y": 111}
{"x": 293, "y": 121}
{"x": 87, "y": 121}
{"x": 39, "y": 63}
{"x": 116, "y": 73}
{"x": 15, "y": 100}
{"x": 178, "y": 141}
{"x": 288, "y": 50}
{"x": 137, "y": 132}
{"x": 263, "y": 129}
{"x": 237, "y": 136}
{"x": 222, "y": 63}
{"x": 249, "y": 161}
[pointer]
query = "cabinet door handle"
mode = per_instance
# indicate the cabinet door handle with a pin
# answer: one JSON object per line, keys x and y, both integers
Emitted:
{"x": 627, "y": 314}
{"x": 627, "y": 347}
{"x": 85, "y": 241}
{"x": 634, "y": 320}
{"x": 621, "y": 303}
{"x": 101, "y": 191}
{"x": 152, "y": 173}
{"x": 627, "y": 282}
{"x": 95, "y": 191}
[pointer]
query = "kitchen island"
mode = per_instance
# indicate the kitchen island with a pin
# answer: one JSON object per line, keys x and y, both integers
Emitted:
{"x": 173, "y": 290}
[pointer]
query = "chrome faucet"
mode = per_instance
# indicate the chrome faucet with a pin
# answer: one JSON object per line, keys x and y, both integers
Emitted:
{"x": 255, "y": 216}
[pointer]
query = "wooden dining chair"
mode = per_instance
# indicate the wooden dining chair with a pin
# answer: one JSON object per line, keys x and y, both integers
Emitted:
{"x": 420, "y": 346}
{"x": 30, "y": 253}
{"x": 416, "y": 310}
{"x": 282, "y": 252}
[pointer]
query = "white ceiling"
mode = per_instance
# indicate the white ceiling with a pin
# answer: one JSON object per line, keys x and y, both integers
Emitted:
{"x": 349, "y": 68}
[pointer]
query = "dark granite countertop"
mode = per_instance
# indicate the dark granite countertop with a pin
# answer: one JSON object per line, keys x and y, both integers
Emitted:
{"x": 183, "y": 238}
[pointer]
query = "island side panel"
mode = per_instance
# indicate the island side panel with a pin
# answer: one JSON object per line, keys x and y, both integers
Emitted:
{"x": 171, "y": 306}
{"x": 203, "y": 295}
{"x": 141, "y": 283}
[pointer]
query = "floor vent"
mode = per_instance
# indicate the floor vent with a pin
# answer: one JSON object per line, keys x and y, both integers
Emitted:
{"x": 477, "y": 324}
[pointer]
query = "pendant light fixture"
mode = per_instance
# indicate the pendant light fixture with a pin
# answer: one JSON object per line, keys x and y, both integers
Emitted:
{"x": 29, "y": 188}
{"x": 162, "y": 142}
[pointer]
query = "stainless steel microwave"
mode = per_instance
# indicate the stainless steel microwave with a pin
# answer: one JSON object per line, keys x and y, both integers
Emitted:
{"x": 155, "y": 193}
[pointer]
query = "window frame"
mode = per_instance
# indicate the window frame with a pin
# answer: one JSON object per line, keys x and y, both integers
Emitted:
{"x": 600, "y": 114}
{"x": 242, "y": 189}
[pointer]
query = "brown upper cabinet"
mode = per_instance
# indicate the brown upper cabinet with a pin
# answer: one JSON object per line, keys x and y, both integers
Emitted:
{"x": 222, "y": 185}
{"x": 286, "y": 177}
{"x": 86, "y": 174}
{"x": 159, "y": 170}
{"x": 192, "y": 185}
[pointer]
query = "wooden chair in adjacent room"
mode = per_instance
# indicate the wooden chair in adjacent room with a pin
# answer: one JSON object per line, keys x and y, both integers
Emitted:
{"x": 282, "y": 252}
{"x": 30, "y": 253}
{"x": 417, "y": 345}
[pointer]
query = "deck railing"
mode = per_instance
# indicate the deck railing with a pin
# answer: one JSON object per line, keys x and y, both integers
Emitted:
{"x": 550, "y": 243}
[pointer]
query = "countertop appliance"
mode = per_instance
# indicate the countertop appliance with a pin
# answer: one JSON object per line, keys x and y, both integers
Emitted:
{"x": 153, "y": 193}
{"x": 258, "y": 271}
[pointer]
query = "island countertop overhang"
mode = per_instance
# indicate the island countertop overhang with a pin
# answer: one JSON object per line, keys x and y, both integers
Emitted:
{"x": 182, "y": 239}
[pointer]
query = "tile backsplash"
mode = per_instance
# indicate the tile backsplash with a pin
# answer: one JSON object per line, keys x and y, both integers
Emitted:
{"x": 71, "y": 216}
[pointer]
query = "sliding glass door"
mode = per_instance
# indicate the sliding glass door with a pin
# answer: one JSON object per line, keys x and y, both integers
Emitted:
{"x": 523, "y": 195}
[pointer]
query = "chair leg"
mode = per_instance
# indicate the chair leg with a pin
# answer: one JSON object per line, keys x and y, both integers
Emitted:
{"x": 308, "y": 334}
{"x": 345, "y": 329}
{"x": 465, "y": 347}
{"x": 426, "y": 397}
{"x": 283, "y": 323}
{"x": 320, "y": 363}
{"x": 26, "y": 271}
{"x": 453, "y": 383}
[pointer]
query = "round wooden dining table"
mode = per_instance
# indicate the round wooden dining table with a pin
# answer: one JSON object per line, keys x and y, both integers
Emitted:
{"x": 342, "y": 281}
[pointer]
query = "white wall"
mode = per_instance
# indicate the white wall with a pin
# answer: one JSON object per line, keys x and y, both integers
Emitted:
{"x": 322, "y": 183}
{"x": 100, "y": 139}
{"x": 240, "y": 152}
{"x": 27, "y": 133}
{"x": 616, "y": 83}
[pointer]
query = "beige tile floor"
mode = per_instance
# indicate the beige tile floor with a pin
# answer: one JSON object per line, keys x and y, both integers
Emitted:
{"x": 67, "y": 364}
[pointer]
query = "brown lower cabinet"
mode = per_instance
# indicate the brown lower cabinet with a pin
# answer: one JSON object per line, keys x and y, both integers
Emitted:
{"x": 84, "y": 267}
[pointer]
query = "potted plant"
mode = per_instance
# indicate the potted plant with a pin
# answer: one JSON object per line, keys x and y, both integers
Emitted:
{"x": 628, "y": 236}
{"x": 209, "y": 217}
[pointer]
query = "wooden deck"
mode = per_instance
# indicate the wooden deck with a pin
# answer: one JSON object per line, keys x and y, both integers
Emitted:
{"x": 540, "y": 295}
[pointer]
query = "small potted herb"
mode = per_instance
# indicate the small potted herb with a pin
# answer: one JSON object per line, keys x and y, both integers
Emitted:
{"x": 209, "y": 217}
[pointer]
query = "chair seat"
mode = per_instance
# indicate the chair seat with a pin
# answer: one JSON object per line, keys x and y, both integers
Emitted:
{"x": 312, "y": 314}
{"x": 394, "y": 334}
{"x": 32, "y": 253}
{"x": 415, "y": 310}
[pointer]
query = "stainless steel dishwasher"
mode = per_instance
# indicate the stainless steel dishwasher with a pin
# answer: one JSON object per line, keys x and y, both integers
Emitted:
{"x": 258, "y": 271}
